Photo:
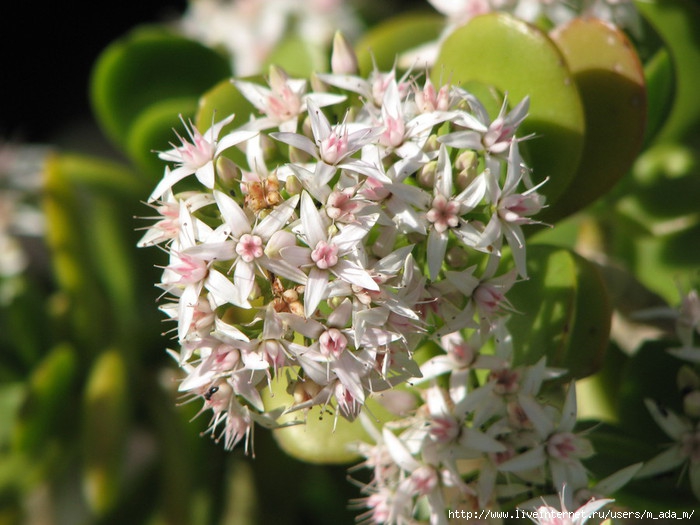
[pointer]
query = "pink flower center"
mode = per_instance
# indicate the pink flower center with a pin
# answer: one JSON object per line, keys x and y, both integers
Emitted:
{"x": 562, "y": 445}
{"x": 424, "y": 480}
{"x": 190, "y": 269}
{"x": 325, "y": 255}
{"x": 488, "y": 297}
{"x": 514, "y": 208}
{"x": 340, "y": 205}
{"x": 332, "y": 343}
{"x": 444, "y": 214}
{"x": 507, "y": 381}
{"x": 444, "y": 429}
{"x": 283, "y": 104}
{"x": 249, "y": 247}
{"x": 334, "y": 148}
{"x": 393, "y": 133}
{"x": 197, "y": 154}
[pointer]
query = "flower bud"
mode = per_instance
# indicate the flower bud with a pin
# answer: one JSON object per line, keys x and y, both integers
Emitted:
{"x": 426, "y": 175}
{"x": 293, "y": 185}
{"x": 229, "y": 174}
{"x": 466, "y": 165}
{"x": 343, "y": 58}
{"x": 691, "y": 404}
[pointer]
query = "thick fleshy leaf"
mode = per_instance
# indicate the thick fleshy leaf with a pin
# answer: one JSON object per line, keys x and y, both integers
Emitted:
{"x": 154, "y": 130}
{"x": 105, "y": 425}
{"x": 89, "y": 205}
{"x": 610, "y": 80}
{"x": 41, "y": 417}
{"x": 678, "y": 24}
{"x": 520, "y": 60}
{"x": 660, "y": 75}
{"x": 322, "y": 439}
{"x": 147, "y": 66}
{"x": 651, "y": 361}
{"x": 563, "y": 312}
{"x": 298, "y": 56}
{"x": 384, "y": 42}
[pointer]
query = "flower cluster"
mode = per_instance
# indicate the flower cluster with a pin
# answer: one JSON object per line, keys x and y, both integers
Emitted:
{"x": 326, "y": 240}
{"x": 683, "y": 429}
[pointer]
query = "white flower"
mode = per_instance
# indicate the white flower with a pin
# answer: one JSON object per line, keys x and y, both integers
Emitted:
{"x": 548, "y": 515}
{"x": 684, "y": 451}
{"x": 326, "y": 254}
{"x": 446, "y": 211}
{"x": 197, "y": 155}
{"x": 252, "y": 244}
{"x": 284, "y": 101}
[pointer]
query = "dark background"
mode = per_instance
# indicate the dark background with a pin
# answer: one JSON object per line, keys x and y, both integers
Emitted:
{"x": 47, "y": 50}
{"x": 48, "y": 47}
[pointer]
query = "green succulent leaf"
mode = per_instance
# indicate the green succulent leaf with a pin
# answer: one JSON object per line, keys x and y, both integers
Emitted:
{"x": 610, "y": 80}
{"x": 660, "y": 75}
{"x": 520, "y": 60}
{"x": 89, "y": 204}
{"x": 678, "y": 24}
{"x": 383, "y": 43}
{"x": 650, "y": 373}
{"x": 41, "y": 418}
{"x": 298, "y": 56}
{"x": 563, "y": 312}
{"x": 147, "y": 66}
{"x": 105, "y": 424}
{"x": 152, "y": 131}
{"x": 323, "y": 438}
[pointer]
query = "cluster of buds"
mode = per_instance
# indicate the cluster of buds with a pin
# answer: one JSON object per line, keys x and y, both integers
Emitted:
{"x": 328, "y": 238}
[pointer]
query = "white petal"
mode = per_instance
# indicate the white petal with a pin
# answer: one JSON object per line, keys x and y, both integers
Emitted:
{"x": 533, "y": 458}
{"x": 298, "y": 141}
{"x": 398, "y": 451}
{"x": 234, "y": 138}
{"x": 437, "y": 246}
{"x": 233, "y": 214}
{"x": 277, "y": 219}
{"x": 170, "y": 178}
{"x": 537, "y": 415}
{"x": 223, "y": 291}
{"x": 314, "y": 225}
{"x": 255, "y": 93}
{"x": 206, "y": 174}
{"x": 669, "y": 422}
{"x": 315, "y": 289}
{"x": 354, "y": 274}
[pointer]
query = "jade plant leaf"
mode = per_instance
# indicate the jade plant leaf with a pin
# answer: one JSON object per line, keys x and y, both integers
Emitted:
{"x": 321, "y": 439}
{"x": 298, "y": 56}
{"x": 660, "y": 74}
{"x": 520, "y": 60}
{"x": 147, "y": 66}
{"x": 105, "y": 425}
{"x": 41, "y": 417}
{"x": 154, "y": 130}
{"x": 90, "y": 204}
{"x": 678, "y": 24}
{"x": 562, "y": 312}
{"x": 386, "y": 41}
{"x": 610, "y": 79}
